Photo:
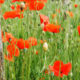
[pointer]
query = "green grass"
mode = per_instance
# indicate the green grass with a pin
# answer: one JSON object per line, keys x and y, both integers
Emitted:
{"x": 63, "y": 46}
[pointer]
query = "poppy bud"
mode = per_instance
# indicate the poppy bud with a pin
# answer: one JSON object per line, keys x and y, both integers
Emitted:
{"x": 42, "y": 25}
{"x": 45, "y": 46}
{"x": 71, "y": 74}
{"x": 22, "y": 6}
{"x": 43, "y": 32}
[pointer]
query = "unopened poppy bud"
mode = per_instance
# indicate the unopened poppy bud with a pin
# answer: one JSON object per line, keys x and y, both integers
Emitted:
{"x": 42, "y": 25}
{"x": 22, "y": 6}
{"x": 45, "y": 46}
{"x": 71, "y": 74}
{"x": 43, "y": 32}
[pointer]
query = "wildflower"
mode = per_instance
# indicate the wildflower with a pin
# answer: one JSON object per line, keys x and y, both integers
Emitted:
{"x": 21, "y": 43}
{"x": 36, "y": 52}
{"x": 12, "y": 7}
{"x": 60, "y": 69}
{"x": 27, "y": 45}
{"x": 36, "y": 5}
{"x": 1, "y": 1}
{"x": 71, "y": 74}
{"x": 9, "y": 58}
{"x": 12, "y": 14}
{"x": 23, "y": 5}
{"x": 13, "y": 50}
{"x": 44, "y": 19}
{"x": 52, "y": 28}
{"x": 45, "y": 46}
{"x": 8, "y": 36}
{"x": 33, "y": 4}
{"x": 17, "y": 1}
{"x": 75, "y": 5}
{"x": 78, "y": 28}
{"x": 42, "y": 25}
{"x": 32, "y": 41}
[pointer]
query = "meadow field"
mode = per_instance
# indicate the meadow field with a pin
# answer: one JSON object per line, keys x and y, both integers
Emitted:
{"x": 41, "y": 39}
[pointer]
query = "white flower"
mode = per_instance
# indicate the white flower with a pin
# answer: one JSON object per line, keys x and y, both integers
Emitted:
{"x": 45, "y": 46}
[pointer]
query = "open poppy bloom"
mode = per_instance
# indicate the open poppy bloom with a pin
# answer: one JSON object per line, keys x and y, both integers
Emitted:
{"x": 78, "y": 28}
{"x": 21, "y": 43}
{"x": 1, "y": 1}
{"x": 9, "y": 58}
{"x": 52, "y": 28}
{"x": 13, "y": 50}
{"x": 33, "y": 4}
{"x": 28, "y": 1}
{"x": 12, "y": 14}
{"x": 60, "y": 69}
{"x": 32, "y": 41}
{"x": 8, "y": 36}
{"x": 36, "y": 5}
{"x": 18, "y": 1}
{"x": 44, "y": 19}
{"x": 27, "y": 45}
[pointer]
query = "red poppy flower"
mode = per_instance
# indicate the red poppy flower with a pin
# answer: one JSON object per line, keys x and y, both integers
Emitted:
{"x": 45, "y": 1}
{"x": 52, "y": 28}
{"x": 17, "y": 1}
{"x": 78, "y": 28}
{"x": 12, "y": 7}
{"x": 44, "y": 19}
{"x": 32, "y": 41}
{"x": 27, "y": 45}
{"x": 8, "y": 36}
{"x": 33, "y": 4}
{"x": 21, "y": 43}
{"x": 1, "y": 1}
{"x": 13, "y": 50}
{"x": 36, "y": 5}
{"x": 9, "y": 58}
{"x": 20, "y": 8}
{"x": 75, "y": 5}
{"x": 28, "y": 1}
{"x": 36, "y": 52}
{"x": 12, "y": 14}
{"x": 60, "y": 69}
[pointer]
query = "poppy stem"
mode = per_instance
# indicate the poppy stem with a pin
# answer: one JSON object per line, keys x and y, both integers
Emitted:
{"x": 59, "y": 70}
